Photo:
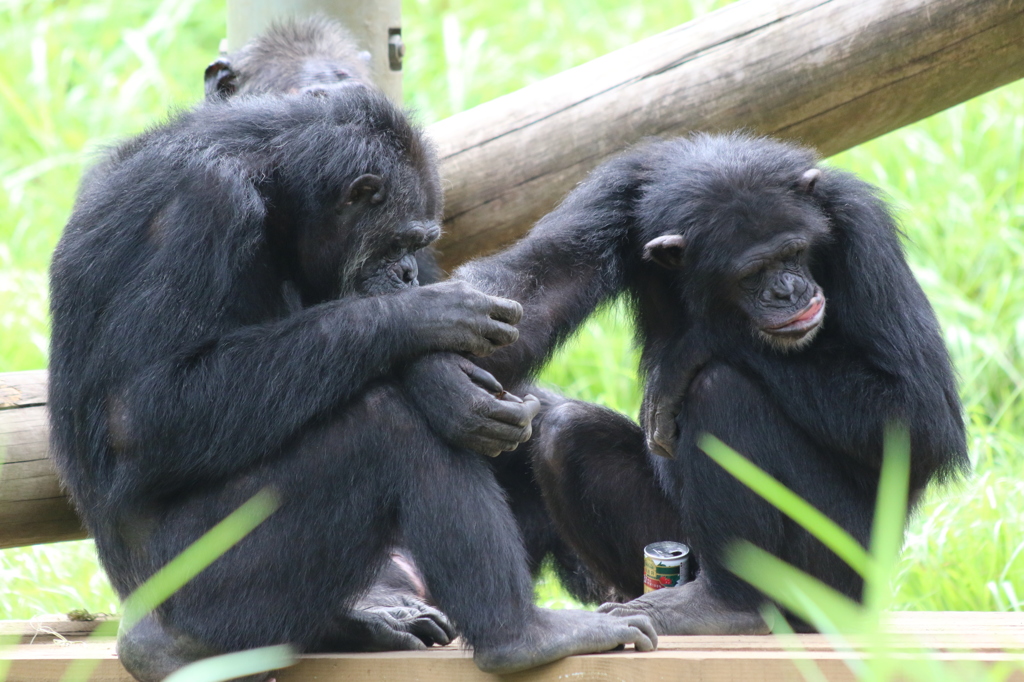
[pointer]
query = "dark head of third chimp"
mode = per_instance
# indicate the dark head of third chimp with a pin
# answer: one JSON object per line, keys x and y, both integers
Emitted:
{"x": 739, "y": 230}
{"x": 290, "y": 57}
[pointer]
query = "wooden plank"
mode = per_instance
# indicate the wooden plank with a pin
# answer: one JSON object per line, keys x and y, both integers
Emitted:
{"x": 47, "y": 629}
{"x": 829, "y": 73}
{"x": 979, "y": 638}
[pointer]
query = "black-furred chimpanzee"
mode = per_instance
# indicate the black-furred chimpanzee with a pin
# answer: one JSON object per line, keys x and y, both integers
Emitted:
{"x": 234, "y": 307}
{"x": 317, "y": 54}
{"x": 728, "y": 248}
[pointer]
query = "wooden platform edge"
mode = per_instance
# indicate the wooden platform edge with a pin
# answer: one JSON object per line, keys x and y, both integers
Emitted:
{"x": 961, "y": 640}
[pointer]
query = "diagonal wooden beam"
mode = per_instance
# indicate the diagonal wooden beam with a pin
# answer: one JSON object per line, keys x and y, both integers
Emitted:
{"x": 828, "y": 73}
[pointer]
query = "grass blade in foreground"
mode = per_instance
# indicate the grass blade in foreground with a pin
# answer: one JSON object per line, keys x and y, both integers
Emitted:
{"x": 890, "y": 517}
{"x": 789, "y": 503}
{"x": 807, "y": 597}
{"x": 180, "y": 570}
{"x": 230, "y": 666}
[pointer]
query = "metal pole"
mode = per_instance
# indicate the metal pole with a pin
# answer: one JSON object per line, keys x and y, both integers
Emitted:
{"x": 376, "y": 25}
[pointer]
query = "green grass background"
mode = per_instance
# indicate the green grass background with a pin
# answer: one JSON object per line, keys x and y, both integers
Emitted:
{"x": 78, "y": 74}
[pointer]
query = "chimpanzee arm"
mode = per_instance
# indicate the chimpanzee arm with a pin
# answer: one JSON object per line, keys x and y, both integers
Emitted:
{"x": 880, "y": 355}
{"x": 570, "y": 263}
{"x": 185, "y": 347}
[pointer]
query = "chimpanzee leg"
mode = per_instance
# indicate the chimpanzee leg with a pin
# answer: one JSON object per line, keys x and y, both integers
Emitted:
{"x": 349, "y": 490}
{"x": 716, "y": 508}
{"x": 458, "y": 527}
{"x": 340, "y": 489}
{"x": 600, "y": 488}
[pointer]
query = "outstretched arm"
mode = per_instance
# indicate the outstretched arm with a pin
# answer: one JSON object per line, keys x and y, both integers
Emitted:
{"x": 569, "y": 264}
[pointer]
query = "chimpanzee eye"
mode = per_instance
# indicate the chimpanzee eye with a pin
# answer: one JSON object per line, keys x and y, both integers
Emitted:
{"x": 751, "y": 281}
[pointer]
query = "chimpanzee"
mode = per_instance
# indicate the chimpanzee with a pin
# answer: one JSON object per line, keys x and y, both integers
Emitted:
{"x": 290, "y": 57}
{"x": 318, "y": 53}
{"x": 728, "y": 248}
{"x": 234, "y": 307}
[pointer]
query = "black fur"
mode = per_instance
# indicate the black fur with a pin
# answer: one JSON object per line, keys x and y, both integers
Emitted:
{"x": 292, "y": 56}
{"x": 233, "y": 308}
{"x": 671, "y": 223}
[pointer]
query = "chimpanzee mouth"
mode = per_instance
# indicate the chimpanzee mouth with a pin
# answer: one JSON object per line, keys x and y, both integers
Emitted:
{"x": 803, "y": 322}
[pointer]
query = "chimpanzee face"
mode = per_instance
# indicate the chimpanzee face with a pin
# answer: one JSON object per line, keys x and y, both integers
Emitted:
{"x": 364, "y": 241}
{"x": 773, "y": 285}
{"x": 749, "y": 252}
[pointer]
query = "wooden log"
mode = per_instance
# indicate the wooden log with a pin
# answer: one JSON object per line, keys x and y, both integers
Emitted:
{"x": 979, "y": 639}
{"x": 828, "y": 73}
{"x": 33, "y": 507}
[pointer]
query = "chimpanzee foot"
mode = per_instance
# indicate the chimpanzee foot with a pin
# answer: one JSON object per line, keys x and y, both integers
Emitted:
{"x": 409, "y": 625}
{"x": 690, "y": 609}
{"x": 152, "y": 650}
{"x": 556, "y": 634}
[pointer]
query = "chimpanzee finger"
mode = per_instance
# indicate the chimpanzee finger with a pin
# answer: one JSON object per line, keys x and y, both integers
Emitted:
{"x": 405, "y": 641}
{"x": 506, "y": 310}
{"x": 646, "y": 639}
{"x": 481, "y": 377}
{"x": 429, "y": 631}
{"x": 611, "y": 607}
{"x": 515, "y": 413}
{"x": 505, "y": 434}
{"x": 658, "y": 448}
{"x": 499, "y": 334}
{"x": 665, "y": 432}
{"x": 442, "y": 622}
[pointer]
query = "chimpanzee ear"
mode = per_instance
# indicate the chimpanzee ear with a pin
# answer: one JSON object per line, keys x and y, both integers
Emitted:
{"x": 808, "y": 180}
{"x": 368, "y": 187}
{"x": 220, "y": 80}
{"x": 666, "y": 251}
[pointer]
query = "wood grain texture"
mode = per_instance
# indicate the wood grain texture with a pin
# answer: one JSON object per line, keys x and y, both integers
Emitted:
{"x": 33, "y": 508}
{"x": 982, "y": 638}
{"x": 828, "y": 73}
{"x": 23, "y": 389}
{"x": 49, "y": 629}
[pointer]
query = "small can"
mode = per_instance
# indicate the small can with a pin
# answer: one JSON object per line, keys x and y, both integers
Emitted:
{"x": 666, "y": 564}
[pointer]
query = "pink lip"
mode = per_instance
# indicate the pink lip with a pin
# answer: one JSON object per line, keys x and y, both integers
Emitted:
{"x": 807, "y": 319}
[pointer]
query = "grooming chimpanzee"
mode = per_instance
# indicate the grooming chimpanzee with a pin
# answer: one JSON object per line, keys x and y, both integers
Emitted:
{"x": 728, "y": 248}
{"x": 234, "y": 307}
{"x": 319, "y": 54}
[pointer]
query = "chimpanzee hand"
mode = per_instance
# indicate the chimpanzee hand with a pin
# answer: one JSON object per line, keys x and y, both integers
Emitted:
{"x": 658, "y": 419}
{"x": 453, "y": 316}
{"x": 467, "y": 407}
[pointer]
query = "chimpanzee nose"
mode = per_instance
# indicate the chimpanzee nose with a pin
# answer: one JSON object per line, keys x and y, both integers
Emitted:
{"x": 784, "y": 286}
